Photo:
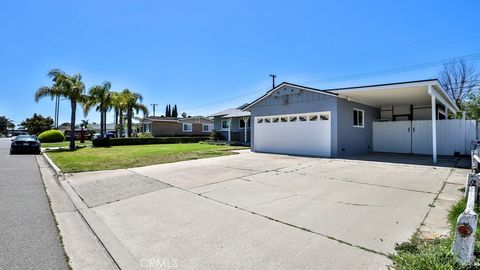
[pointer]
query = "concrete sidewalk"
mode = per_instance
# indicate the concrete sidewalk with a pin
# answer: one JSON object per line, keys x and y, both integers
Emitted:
{"x": 261, "y": 211}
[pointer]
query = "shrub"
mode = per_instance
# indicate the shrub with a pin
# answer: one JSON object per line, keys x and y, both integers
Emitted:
{"x": 216, "y": 135}
{"x": 138, "y": 141}
{"x": 52, "y": 135}
{"x": 145, "y": 135}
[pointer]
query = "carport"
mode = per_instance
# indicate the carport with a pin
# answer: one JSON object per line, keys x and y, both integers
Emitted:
{"x": 409, "y": 114}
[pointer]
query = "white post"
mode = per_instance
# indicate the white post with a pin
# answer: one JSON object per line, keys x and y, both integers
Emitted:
{"x": 434, "y": 124}
{"x": 229, "y": 129}
{"x": 245, "y": 120}
{"x": 446, "y": 112}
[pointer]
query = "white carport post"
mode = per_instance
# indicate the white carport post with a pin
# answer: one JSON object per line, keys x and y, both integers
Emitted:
{"x": 229, "y": 129}
{"x": 431, "y": 91}
{"x": 245, "y": 121}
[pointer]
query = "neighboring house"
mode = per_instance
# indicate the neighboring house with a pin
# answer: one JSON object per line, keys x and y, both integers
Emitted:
{"x": 233, "y": 124}
{"x": 96, "y": 127}
{"x": 397, "y": 117}
{"x": 172, "y": 126}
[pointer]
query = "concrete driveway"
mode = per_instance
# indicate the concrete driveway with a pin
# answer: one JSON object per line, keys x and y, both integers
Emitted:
{"x": 262, "y": 211}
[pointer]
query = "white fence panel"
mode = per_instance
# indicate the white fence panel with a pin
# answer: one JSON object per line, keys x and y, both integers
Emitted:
{"x": 392, "y": 137}
{"x": 455, "y": 135}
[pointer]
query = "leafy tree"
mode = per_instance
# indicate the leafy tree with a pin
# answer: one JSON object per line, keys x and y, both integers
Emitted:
{"x": 167, "y": 112}
{"x": 184, "y": 115}
{"x": 67, "y": 86}
{"x": 37, "y": 124}
{"x": 101, "y": 97}
{"x": 460, "y": 80}
{"x": 5, "y": 124}
{"x": 472, "y": 107}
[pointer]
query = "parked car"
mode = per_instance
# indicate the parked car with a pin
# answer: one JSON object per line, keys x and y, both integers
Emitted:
{"x": 25, "y": 143}
{"x": 111, "y": 134}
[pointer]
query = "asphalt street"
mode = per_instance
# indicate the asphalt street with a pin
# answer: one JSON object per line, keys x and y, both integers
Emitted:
{"x": 28, "y": 234}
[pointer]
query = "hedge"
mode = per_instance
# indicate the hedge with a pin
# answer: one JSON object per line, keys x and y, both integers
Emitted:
{"x": 102, "y": 142}
{"x": 52, "y": 135}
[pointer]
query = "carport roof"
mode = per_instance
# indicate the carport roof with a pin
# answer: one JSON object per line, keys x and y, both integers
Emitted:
{"x": 399, "y": 93}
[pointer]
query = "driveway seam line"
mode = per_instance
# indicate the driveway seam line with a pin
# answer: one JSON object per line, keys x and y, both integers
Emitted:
{"x": 289, "y": 224}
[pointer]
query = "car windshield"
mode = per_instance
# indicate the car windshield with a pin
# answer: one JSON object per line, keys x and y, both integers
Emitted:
{"x": 25, "y": 137}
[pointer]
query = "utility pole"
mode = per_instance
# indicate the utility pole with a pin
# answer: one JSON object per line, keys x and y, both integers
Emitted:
{"x": 273, "y": 80}
{"x": 154, "y": 105}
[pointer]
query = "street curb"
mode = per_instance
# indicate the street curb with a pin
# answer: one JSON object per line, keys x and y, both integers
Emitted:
{"x": 123, "y": 259}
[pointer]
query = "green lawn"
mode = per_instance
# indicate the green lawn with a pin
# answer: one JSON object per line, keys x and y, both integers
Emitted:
{"x": 117, "y": 157}
{"x": 65, "y": 144}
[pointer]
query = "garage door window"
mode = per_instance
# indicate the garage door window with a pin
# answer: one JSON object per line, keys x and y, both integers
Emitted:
{"x": 283, "y": 119}
{"x": 275, "y": 119}
{"x": 358, "y": 118}
{"x": 302, "y": 118}
{"x": 324, "y": 116}
{"x": 260, "y": 120}
{"x": 293, "y": 119}
{"x": 267, "y": 120}
{"x": 313, "y": 118}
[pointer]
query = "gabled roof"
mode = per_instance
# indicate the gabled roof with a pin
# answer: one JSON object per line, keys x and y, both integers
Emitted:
{"x": 233, "y": 112}
{"x": 283, "y": 84}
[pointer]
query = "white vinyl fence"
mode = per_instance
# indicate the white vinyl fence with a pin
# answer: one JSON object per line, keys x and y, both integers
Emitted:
{"x": 415, "y": 137}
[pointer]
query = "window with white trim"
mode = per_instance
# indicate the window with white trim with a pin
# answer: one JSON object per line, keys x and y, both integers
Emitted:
{"x": 358, "y": 118}
{"x": 260, "y": 120}
{"x": 242, "y": 124}
{"x": 225, "y": 124}
{"x": 207, "y": 127}
{"x": 187, "y": 127}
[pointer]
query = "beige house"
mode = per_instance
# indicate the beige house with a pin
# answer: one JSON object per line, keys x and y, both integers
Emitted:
{"x": 172, "y": 126}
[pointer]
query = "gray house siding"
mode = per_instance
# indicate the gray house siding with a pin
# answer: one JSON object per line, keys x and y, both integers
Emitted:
{"x": 304, "y": 102}
{"x": 354, "y": 140}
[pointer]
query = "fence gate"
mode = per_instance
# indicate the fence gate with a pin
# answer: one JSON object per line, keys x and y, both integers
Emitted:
{"x": 415, "y": 137}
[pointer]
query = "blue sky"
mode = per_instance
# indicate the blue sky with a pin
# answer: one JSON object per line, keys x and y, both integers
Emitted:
{"x": 206, "y": 56}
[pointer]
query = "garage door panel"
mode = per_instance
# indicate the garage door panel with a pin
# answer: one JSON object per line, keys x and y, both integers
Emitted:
{"x": 299, "y": 137}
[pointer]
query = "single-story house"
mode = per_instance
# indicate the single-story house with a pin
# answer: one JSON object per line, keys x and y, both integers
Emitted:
{"x": 233, "y": 124}
{"x": 173, "y": 126}
{"x": 403, "y": 117}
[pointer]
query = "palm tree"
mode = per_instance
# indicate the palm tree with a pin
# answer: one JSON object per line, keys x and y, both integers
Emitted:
{"x": 101, "y": 97}
{"x": 120, "y": 106}
{"x": 84, "y": 124}
{"x": 69, "y": 87}
{"x": 133, "y": 102}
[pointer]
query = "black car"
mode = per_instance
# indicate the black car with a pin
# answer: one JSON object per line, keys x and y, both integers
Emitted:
{"x": 24, "y": 144}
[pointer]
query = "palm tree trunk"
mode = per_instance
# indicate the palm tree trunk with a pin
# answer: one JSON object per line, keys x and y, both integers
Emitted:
{"x": 129, "y": 122}
{"x": 105, "y": 121}
{"x": 120, "y": 115}
{"x": 72, "y": 124}
{"x": 101, "y": 123}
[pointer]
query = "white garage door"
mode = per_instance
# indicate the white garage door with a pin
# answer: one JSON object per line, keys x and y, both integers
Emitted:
{"x": 298, "y": 134}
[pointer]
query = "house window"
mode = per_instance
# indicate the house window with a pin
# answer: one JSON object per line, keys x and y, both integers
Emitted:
{"x": 207, "y": 128}
{"x": 358, "y": 118}
{"x": 147, "y": 127}
{"x": 197, "y": 119}
{"x": 225, "y": 124}
{"x": 187, "y": 127}
{"x": 242, "y": 123}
